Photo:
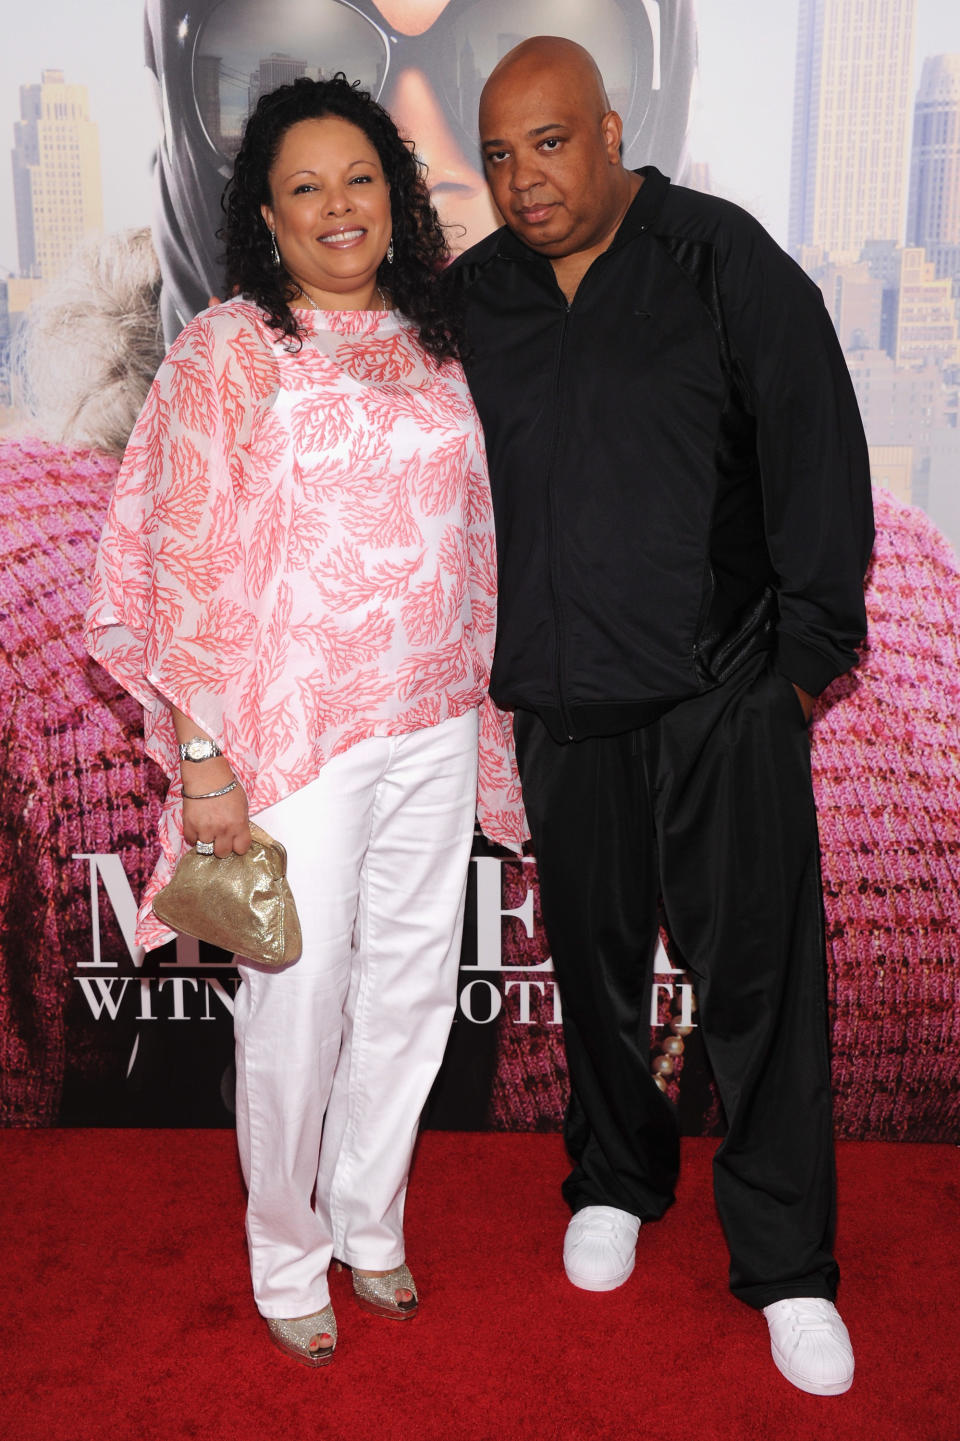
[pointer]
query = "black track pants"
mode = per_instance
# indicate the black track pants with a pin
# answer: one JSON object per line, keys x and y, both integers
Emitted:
{"x": 711, "y": 810}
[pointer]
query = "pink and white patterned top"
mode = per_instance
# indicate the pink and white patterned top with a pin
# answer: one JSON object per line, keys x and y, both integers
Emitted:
{"x": 299, "y": 554}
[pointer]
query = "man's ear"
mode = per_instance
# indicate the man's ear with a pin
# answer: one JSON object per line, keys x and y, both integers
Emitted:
{"x": 611, "y": 128}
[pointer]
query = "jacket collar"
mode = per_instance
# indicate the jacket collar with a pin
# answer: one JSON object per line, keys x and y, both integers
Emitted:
{"x": 642, "y": 210}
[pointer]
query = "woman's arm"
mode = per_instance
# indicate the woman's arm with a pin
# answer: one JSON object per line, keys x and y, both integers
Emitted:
{"x": 220, "y": 819}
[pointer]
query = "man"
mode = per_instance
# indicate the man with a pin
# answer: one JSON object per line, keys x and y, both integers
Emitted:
{"x": 682, "y": 500}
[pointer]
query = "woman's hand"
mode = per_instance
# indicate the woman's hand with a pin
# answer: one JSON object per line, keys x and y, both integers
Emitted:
{"x": 222, "y": 820}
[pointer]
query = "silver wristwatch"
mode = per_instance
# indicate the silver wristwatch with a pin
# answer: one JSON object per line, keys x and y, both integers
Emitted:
{"x": 198, "y": 748}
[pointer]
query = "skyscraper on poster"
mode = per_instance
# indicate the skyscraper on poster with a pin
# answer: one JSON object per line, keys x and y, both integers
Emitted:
{"x": 56, "y": 174}
{"x": 933, "y": 215}
{"x": 851, "y": 127}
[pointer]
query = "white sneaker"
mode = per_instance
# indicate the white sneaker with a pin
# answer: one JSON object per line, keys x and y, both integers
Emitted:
{"x": 598, "y": 1249}
{"x": 810, "y": 1345}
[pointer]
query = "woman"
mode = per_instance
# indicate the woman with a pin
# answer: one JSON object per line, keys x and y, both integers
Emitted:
{"x": 297, "y": 581}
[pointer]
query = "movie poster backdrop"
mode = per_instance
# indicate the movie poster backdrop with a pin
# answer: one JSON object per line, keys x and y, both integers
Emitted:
{"x": 94, "y": 1032}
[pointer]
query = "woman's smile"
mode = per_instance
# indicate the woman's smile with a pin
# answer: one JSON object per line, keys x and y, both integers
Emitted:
{"x": 342, "y": 238}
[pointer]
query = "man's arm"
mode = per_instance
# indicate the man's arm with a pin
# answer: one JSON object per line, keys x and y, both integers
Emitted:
{"x": 815, "y": 472}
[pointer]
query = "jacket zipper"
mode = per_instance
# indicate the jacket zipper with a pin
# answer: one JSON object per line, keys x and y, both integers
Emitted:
{"x": 560, "y": 655}
{"x": 551, "y": 547}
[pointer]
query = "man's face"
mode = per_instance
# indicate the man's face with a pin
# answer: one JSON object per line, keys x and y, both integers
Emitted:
{"x": 552, "y": 160}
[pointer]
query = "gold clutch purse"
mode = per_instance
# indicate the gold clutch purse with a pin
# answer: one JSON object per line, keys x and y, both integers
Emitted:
{"x": 242, "y": 903}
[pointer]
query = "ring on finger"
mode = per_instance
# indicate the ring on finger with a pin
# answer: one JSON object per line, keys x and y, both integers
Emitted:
{"x": 204, "y": 848}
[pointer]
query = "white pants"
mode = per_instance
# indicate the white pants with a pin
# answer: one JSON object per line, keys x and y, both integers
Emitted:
{"x": 336, "y": 1053}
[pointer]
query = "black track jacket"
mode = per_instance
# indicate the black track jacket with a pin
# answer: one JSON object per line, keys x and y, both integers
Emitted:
{"x": 679, "y": 472}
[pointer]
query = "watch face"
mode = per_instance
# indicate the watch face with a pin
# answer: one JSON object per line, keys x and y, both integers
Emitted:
{"x": 198, "y": 749}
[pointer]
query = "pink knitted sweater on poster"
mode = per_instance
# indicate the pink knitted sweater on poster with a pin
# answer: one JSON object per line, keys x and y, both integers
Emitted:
{"x": 300, "y": 555}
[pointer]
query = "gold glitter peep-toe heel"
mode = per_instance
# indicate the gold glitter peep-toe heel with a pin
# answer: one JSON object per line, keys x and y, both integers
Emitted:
{"x": 378, "y": 1293}
{"x": 293, "y": 1337}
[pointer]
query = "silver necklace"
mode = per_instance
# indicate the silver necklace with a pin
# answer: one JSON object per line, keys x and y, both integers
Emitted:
{"x": 310, "y": 300}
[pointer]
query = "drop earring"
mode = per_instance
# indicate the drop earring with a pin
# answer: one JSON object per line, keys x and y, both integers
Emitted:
{"x": 276, "y": 252}
{"x": 390, "y": 252}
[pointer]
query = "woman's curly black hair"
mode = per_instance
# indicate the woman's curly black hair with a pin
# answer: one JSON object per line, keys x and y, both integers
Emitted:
{"x": 420, "y": 250}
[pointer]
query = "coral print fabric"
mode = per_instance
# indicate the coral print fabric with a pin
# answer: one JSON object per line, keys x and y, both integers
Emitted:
{"x": 300, "y": 554}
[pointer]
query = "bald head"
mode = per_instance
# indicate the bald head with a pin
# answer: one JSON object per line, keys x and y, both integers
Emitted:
{"x": 551, "y": 148}
{"x": 567, "y": 63}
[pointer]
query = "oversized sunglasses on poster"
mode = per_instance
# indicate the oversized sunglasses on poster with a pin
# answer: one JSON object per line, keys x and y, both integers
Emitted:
{"x": 243, "y": 48}
{"x": 212, "y": 60}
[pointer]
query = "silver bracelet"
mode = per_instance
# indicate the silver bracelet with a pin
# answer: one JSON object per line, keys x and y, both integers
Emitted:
{"x": 209, "y": 795}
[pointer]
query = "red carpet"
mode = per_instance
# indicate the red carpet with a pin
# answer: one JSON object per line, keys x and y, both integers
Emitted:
{"x": 127, "y": 1314}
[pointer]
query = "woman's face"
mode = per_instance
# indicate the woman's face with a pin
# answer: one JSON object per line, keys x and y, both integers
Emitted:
{"x": 329, "y": 210}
